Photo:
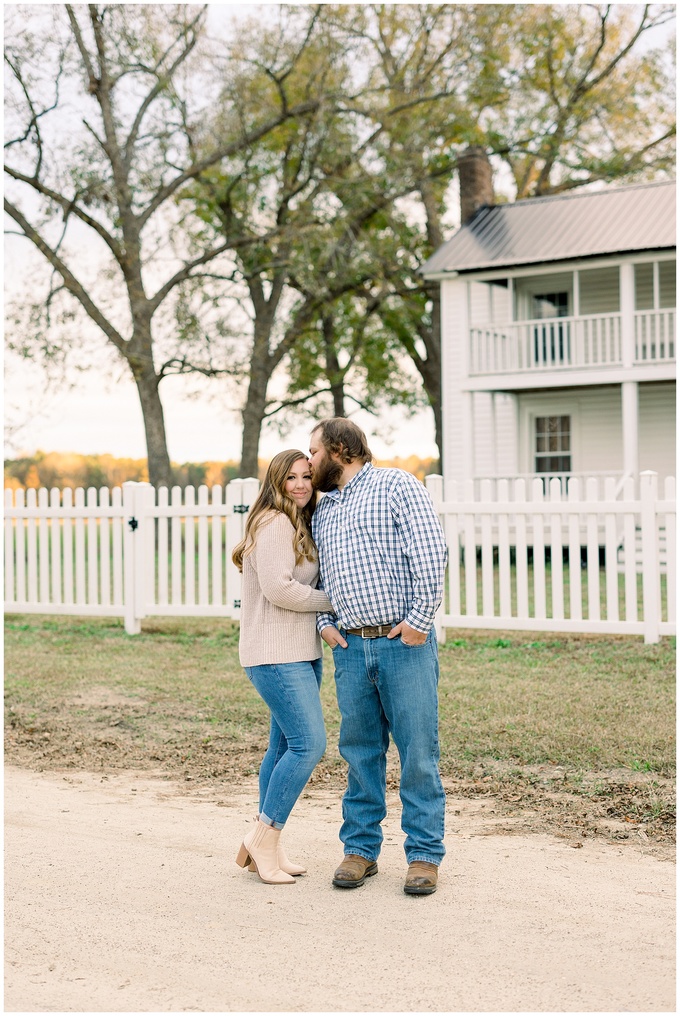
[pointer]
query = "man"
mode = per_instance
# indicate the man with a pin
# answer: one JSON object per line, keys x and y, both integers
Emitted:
{"x": 382, "y": 555}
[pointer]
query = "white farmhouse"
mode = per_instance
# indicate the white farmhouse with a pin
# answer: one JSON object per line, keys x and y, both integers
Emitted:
{"x": 558, "y": 322}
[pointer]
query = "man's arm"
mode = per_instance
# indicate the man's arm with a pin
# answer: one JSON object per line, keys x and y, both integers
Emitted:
{"x": 423, "y": 542}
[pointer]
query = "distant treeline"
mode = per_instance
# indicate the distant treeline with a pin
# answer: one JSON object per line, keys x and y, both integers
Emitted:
{"x": 66, "y": 469}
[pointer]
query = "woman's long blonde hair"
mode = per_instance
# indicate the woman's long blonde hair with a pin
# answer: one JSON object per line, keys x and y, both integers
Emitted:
{"x": 273, "y": 497}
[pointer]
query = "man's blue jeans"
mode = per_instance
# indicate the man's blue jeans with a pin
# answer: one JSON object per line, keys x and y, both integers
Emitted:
{"x": 383, "y": 687}
{"x": 297, "y": 736}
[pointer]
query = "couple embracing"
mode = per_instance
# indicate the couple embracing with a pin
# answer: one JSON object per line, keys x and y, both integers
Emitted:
{"x": 363, "y": 569}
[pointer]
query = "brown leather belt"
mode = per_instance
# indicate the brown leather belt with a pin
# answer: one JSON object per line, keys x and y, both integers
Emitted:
{"x": 371, "y": 631}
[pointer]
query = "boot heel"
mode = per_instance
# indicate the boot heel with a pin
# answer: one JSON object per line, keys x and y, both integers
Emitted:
{"x": 243, "y": 857}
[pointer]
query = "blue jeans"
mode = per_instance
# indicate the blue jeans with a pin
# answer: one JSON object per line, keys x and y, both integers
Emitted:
{"x": 297, "y": 736}
{"x": 383, "y": 687}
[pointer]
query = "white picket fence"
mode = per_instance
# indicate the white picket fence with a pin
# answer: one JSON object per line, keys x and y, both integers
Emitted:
{"x": 125, "y": 553}
{"x": 500, "y": 576}
{"x": 134, "y": 553}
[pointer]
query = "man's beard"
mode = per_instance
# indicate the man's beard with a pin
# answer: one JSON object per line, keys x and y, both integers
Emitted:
{"x": 326, "y": 475}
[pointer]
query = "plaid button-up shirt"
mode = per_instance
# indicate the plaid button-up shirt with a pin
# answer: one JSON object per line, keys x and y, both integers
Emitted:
{"x": 382, "y": 551}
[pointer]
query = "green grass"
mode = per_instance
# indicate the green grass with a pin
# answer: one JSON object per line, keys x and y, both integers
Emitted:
{"x": 570, "y": 701}
{"x": 592, "y": 718}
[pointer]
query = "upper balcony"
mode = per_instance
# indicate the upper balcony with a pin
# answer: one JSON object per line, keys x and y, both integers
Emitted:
{"x": 569, "y": 343}
{"x": 583, "y": 326}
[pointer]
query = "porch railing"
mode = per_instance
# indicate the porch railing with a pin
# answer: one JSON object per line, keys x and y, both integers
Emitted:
{"x": 569, "y": 342}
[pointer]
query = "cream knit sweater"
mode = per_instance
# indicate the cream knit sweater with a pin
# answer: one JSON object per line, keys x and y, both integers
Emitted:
{"x": 279, "y": 600}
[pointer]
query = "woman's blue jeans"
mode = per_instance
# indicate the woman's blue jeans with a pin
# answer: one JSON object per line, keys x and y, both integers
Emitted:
{"x": 383, "y": 687}
{"x": 297, "y": 736}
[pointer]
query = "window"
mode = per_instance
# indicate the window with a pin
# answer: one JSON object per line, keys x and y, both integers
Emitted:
{"x": 550, "y": 305}
{"x": 553, "y": 444}
{"x": 552, "y": 339}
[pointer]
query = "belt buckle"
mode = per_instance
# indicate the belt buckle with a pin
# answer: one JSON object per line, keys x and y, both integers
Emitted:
{"x": 364, "y": 628}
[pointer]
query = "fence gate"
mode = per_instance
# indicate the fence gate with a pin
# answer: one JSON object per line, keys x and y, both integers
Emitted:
{"x": 129, "y": 553}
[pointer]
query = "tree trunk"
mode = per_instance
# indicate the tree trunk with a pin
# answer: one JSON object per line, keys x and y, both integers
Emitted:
{"x": 432, "y": 385}
{"x": 160, "y": 471}
{"x": 333, "y": 372}
{"x": 253, "y": 416}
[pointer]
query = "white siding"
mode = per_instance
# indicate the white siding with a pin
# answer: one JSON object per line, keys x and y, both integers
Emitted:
{"x": 480, "y": 304}
{"x": 599, "y": 290}
{"x": 501, "y": 304}
{"x": 485, "y": 434}
{"x": 657, "y": 428}
{"x": 507, "y": 435}
{"x": 454, "y": 370}
{"x": 489, "y": 304}
{"x": 600, "y": 442}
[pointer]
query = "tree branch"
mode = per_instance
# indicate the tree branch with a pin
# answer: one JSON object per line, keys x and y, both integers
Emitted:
{"x": 70, "y": 282}
{"x": 221, "y": 153}
{"x": 163, "y": 79}
{"x": 295, "y": 402}
{"x": 69, "y": 207}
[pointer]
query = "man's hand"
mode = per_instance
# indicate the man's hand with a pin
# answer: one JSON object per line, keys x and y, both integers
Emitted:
{"x": 332, "y": 637}
{"x": 409, "y": 635}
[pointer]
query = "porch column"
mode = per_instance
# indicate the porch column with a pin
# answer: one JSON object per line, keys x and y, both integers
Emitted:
{"x": 467, "y": 435}
{"x": 630, "y": 413}
{"x": 509, "y": 461}
{"x": 494, "y": 433}
{"x": 630, "y": 401}
{"x": 627, "y": 304}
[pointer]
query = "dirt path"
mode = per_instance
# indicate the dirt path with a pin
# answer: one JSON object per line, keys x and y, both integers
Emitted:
{"x": 121, "y": 895}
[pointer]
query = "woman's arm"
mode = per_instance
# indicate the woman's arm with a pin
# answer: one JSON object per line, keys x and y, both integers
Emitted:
{"x": 274, "y": 560}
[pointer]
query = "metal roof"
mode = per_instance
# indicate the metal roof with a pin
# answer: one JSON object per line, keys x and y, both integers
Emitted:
{"x": 562, "y": 227}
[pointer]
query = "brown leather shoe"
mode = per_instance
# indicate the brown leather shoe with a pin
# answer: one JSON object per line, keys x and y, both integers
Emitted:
{"x": 353, "y": 871}
{"x": 421, "y": 878}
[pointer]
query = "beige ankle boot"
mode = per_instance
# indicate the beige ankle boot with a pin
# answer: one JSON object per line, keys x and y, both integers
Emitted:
{"x": 290, "y": 867}
{"x": 261, "y": 847}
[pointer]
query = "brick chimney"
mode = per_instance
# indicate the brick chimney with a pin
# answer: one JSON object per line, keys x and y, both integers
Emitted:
{"x": 476, "y": 182}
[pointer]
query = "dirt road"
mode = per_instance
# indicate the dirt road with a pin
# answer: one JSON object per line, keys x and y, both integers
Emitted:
{"x": 122, "y": 895}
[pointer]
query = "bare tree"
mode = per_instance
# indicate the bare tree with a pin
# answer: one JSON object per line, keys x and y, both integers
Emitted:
{"x": 126, "y": 138}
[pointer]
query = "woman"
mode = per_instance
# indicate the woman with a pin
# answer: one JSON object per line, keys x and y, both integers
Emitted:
{"x": 280, "y": 649}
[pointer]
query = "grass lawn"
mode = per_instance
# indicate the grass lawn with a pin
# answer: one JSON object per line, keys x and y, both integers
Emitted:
{"x": 570, "y": 733}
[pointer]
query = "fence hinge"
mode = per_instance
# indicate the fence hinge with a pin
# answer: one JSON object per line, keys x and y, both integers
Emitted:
{"x": 241, "y": 509}
{"x": 237, "y": 603}
{"x": 133, "y": 523}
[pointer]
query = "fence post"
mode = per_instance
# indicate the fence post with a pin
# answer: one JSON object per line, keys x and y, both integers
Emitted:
{"x": 435, "y": 484}
{"x": 145, "y": 548}
{"x": 651, "y": 587}
{"x": 132, "y": 623}
{"x": 138, "y": 530}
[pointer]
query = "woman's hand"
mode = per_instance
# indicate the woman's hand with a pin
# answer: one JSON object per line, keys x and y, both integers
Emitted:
{"x": 332, "y": 637}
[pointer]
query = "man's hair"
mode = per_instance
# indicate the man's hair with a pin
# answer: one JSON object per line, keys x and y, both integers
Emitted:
{"x": 340, "y": 436}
